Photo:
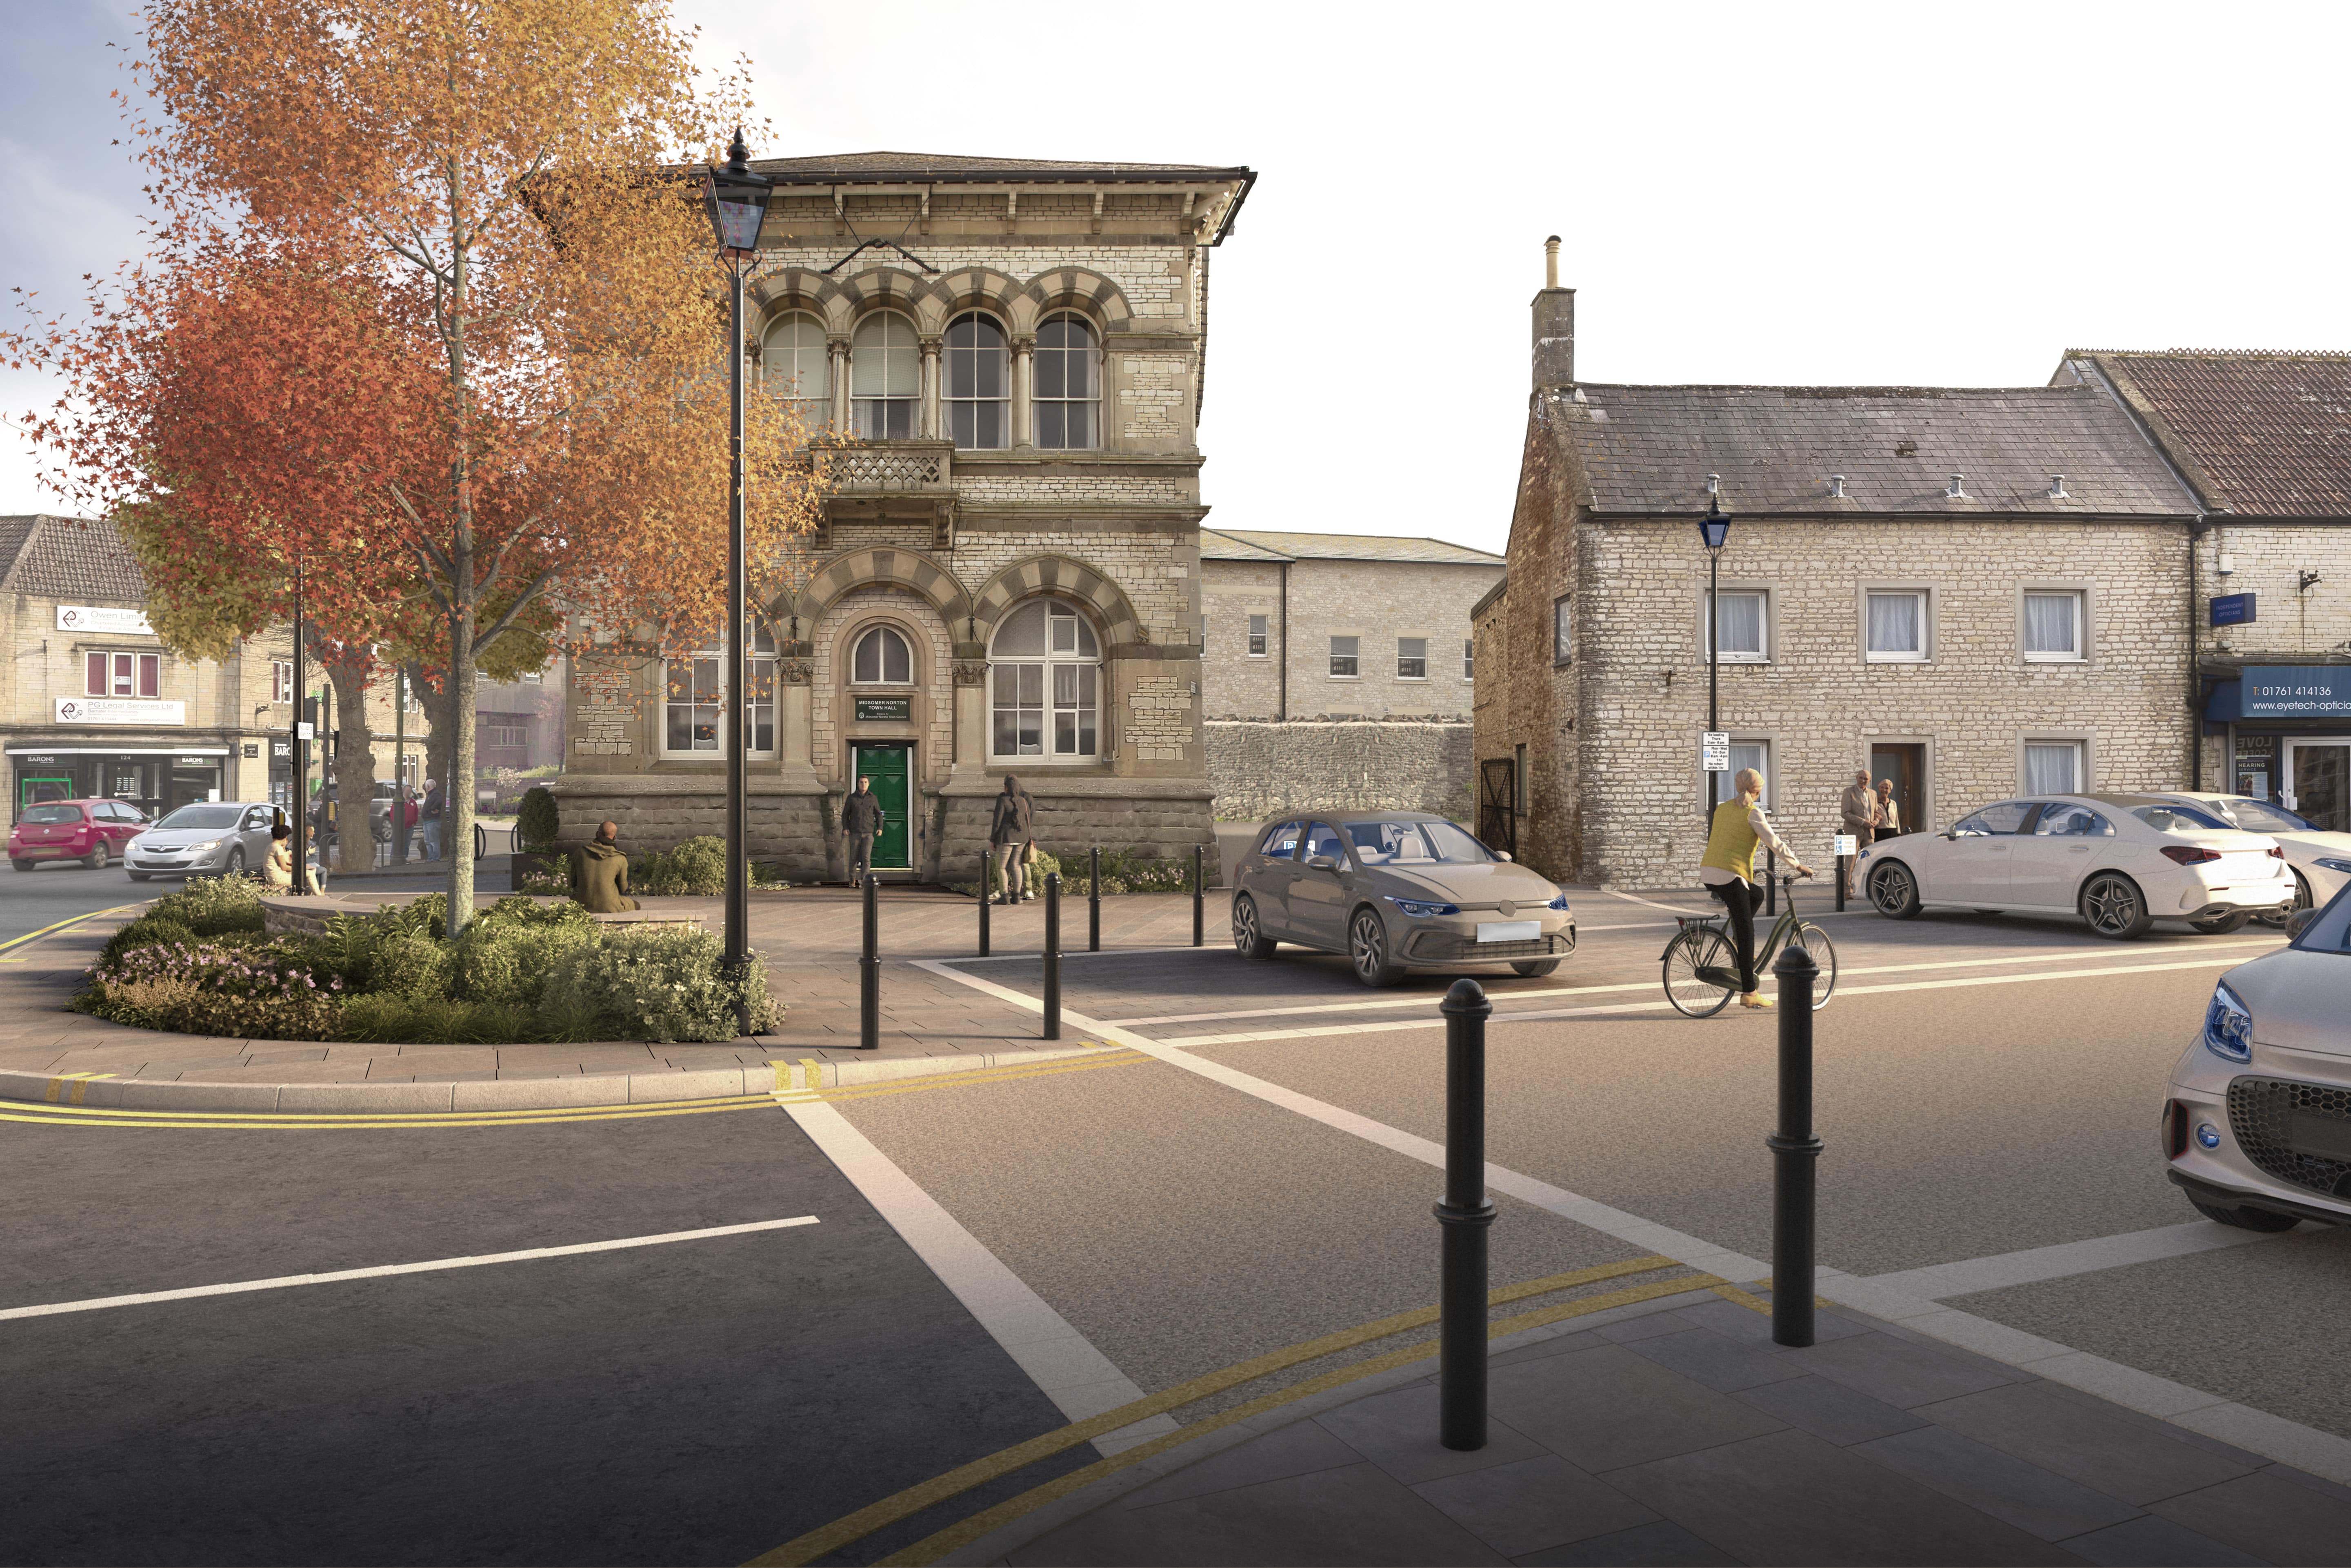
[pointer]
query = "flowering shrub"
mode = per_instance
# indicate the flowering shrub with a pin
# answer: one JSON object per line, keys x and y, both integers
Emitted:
{"x": 211, "y": 988}
{"x": 658, "y": 985}
{"x": 508, "y": 965}
{"x": 697, "y": 867}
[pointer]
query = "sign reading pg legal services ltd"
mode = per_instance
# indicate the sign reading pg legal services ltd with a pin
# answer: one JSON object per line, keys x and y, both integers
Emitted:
{"x": 2297, "y": 691}
{"x": 102, "y": 618}
{"x": 119, "y": 710}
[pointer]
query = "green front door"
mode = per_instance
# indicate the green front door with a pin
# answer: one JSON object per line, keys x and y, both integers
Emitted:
{"x": 887, "y": 766}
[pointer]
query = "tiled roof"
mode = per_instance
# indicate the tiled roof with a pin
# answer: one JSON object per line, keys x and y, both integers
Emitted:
{"x": 1251, "y": 544}
{"x": 948, "y": 166}
{"x": 2262, "y": 435}
{"x": 1649, "y": 449}
{"x": 68, "y": 558}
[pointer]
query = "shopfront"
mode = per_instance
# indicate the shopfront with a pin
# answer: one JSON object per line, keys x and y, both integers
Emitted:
{"x": 2290, "y": 738}
{"x": 155, "y": 779}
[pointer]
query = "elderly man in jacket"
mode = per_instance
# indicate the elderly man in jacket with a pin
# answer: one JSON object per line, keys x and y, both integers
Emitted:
{"x": 1009, "y": 835}
{"x": 1858, "y": 814}
{"x": 861, "y": 820}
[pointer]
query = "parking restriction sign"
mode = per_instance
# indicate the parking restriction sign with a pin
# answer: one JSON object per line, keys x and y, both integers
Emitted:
{"x": 1714, "y": 750}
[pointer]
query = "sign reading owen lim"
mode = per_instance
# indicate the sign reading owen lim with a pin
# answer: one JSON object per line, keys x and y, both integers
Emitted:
{"x": 2297, "y": 691}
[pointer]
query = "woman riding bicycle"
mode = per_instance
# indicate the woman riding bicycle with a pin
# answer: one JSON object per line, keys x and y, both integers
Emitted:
{"x": 1728, "y": 870}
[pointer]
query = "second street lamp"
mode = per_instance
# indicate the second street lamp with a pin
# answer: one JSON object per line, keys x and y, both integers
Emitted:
{"x": 1713, "y": 532}
{"x": 736, "y": 202}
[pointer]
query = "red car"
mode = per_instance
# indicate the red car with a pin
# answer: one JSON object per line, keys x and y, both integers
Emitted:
{"x": 91, "y": 831}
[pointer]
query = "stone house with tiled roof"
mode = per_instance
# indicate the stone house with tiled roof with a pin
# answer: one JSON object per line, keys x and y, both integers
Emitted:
{"x": 1978, "y": 592}
{"x": 2263, "y": 441}
{"x": 1006, "y": 578}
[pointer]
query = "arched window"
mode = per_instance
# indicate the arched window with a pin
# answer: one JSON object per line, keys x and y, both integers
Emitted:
{"x": 795, "y": 367}
{"x": 882, "y": 659}
{"x": 1044, "y": 681}
{"x": 979, "y": 383}
{"x": 885, "y": 376}
{"x": 1068, "y": 397}
{"x": 692, "y": 716}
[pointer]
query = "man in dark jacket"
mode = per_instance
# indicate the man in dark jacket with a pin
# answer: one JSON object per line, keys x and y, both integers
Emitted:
{"x": 860, "y": 819}
{"x": 1009, "y": 835}
{"x": 600, "y": 874}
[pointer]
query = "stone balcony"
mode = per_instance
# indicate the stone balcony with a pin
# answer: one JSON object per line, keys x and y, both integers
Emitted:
{"x": 907, "y": 483}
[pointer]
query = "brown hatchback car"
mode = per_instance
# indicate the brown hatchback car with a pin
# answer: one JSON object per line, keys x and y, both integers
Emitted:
{"x": 1395, "y": 891}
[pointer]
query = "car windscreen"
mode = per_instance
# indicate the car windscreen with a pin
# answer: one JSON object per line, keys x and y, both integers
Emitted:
{"x": 53, "y": 814}
{"x": 2261, "y": 816}
{"x": 203, "y": 817}
{"x": 2178, "y": 819}
{"x": 2330, "y": 930}
{"x": 1405, "y": 843}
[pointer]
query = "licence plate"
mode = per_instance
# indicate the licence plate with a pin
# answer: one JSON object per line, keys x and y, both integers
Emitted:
{"x": 2324, "y": 1136}
{"x": 1508, "y": 930}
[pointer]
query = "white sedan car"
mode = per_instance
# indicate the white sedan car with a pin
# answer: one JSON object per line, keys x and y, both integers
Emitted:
{"x": 2119, "y": 862}
{"x": 2257, "y": 1127}
{"x": 2321, "y": 860}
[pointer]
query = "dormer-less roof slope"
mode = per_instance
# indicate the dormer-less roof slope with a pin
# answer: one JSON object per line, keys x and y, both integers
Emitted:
{"x": 68, "y": 557}
{"x": 1251, "y": 544}
{"x": 2261, "y": 434}
{"x": 1649, "y": 449}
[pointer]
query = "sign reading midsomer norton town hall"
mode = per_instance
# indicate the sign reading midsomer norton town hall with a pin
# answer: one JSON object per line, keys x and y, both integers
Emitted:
{"x": 119, "y": 710}
{"x": 102, "y": 618}
{"x": 875, "y": 709}
{"x": 2297, "y": 691}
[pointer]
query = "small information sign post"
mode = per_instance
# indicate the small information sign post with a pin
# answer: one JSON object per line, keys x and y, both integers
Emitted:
{"x": 1714, "y": 750}
{"x": 1844, "y": 844}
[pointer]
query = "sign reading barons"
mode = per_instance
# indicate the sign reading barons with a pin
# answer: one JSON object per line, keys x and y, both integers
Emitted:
{"x": 119, "y": 710}
{"x": 102, "y": 618}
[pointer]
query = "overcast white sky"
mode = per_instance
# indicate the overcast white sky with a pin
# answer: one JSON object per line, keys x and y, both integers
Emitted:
{"x": 1749, "y": 193}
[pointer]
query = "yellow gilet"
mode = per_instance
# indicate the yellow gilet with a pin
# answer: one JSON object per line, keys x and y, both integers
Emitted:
{"x": 1731, "y": 845}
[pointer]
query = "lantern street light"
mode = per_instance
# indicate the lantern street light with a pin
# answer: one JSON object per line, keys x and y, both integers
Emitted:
{"x": 736, "y": 202}
{"x": 1713, "y": 532}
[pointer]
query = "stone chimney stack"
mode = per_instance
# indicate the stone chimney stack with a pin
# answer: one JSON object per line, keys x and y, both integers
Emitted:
{"x": 1554, "y": 324}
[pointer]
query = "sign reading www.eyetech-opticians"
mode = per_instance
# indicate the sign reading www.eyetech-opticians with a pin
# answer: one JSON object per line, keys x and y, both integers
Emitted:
{"x": 119, "y": 710}
{"x": 2297, "y": 691}
{"x": 102, "y": 618}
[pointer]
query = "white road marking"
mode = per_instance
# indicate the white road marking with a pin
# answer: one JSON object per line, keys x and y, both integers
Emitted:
{"x": 1941, "y": 1281}
{"x": 1079, "y": 1379}
{"x": 1653, "y": 903}
{"x": 286, "y": 1282}
{"x": 2271, "y": 1436}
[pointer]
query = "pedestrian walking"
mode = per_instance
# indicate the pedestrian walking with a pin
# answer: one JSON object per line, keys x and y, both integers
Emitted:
{"x": 1856, "y": 815}
{"x": 1728, "y": 870}
{"x": 1010, "y": 835}
{"x": 861, "y": 820}
{"x": 1889, "y": 815}
{"x": 435, "y": 806}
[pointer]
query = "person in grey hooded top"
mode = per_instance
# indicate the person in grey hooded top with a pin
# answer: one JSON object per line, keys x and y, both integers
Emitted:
{"x": 1015, "y": 824}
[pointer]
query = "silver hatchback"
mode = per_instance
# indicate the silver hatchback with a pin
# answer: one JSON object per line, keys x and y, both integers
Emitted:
{"x": 1393, "y": 891}
{"x": 210, "y": 837}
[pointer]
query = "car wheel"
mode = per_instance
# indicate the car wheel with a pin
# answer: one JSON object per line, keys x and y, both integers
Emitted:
{"x": 2245, "y": 1218}
{"x": 22, "y": 866}
{"x": 1533, "y": 969}
{"x": 96, "y": 859}
{"x": 2114, "y": 907}
{"x": 2222, "y": 925}
{"x": 1250, "y": 939}
{"x": 236, "y": 864}
{"x": 1367, "y": 949}
{"x": 2302, "y": 900}
{"x": 1893, "y": 891}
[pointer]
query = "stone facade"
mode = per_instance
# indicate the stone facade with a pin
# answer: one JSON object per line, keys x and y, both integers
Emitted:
{"x": 939, "y": 532}
{"x": 1261, "y": 770}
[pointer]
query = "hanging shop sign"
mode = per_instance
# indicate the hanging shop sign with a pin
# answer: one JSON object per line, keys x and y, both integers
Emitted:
{"x": 2234, "y": 610}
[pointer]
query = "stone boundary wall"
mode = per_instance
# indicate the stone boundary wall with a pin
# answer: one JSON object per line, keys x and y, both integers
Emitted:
{"x": 1261, "y": 769}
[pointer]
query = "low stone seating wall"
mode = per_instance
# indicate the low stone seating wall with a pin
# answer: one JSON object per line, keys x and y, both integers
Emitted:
{"x": 292, "y": 915}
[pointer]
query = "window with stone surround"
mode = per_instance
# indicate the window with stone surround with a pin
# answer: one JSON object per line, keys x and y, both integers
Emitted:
{"x": 1895, "y": 626}
{"x": 796, "y": 367}
{"x": 1257, "y": 636}
{"x": 1563, "y": 632}
{"x": 881, "y": 659}
{"x": 1412, "y": 658}
{"x": 1343, "y": 650}
{"x": 2053, "y": 627}
{"x": 1468, "y": 658}
{"x": 979, "y": 393}
{"x": 1044, "y": 684}
{"x": 694, "y": 702}
{"x": 1066, "y": 393}
{"x": 1742, "y": 622}
{"x": 281, "y": 680}
{"x": 122, "y": 675}
{"x": 886, "y": 377}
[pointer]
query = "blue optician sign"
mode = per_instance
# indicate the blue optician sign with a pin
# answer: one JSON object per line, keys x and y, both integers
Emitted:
{"x": 2297, "y": 691}
{"x": 2234, "y": 610}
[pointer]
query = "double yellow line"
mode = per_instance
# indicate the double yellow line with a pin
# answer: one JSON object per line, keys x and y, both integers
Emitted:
{"x": 60, "y": 926}
{"x": 854, "y": 1527}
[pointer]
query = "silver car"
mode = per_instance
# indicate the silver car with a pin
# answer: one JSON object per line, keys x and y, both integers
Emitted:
{"x": 210, "y": 837}
{"x": 1395, "y": 890}
{"x": 2257, "y": 1127}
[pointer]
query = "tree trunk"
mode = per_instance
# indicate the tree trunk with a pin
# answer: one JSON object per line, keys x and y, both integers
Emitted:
{"x": 439, "y": 741}
{"x": 354, "y": 770}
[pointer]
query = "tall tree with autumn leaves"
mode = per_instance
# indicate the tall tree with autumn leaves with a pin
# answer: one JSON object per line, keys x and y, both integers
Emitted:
{"x": 421, "y": 310}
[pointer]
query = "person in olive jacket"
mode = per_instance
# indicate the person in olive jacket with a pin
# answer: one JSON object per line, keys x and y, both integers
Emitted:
{"x": 1008, "y": 836}
{"x": 860, "y": 819}
{"x": 600, "y": 874}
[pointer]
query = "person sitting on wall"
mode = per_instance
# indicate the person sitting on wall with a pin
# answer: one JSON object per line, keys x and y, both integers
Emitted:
{"x": 277, "y": 870}
{"x": 600, "y": 874}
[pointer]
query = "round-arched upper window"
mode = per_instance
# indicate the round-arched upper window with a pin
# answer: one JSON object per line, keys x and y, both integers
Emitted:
{"x": 979, "y": 383}
{"x": 1068, "y": 396}
{"x": 885, "y": 376}
{"x": 882, "y": 659}
{"x": 1044, "y": 683}
{"x": 794, "y": 366}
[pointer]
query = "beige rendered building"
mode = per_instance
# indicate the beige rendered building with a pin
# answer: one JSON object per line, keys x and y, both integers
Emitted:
{"x": 1007, "y": 579}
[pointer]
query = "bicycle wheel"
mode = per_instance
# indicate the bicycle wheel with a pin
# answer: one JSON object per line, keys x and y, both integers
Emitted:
{"x": 1817, "y": 942}
{"x": 1686, "y": 955}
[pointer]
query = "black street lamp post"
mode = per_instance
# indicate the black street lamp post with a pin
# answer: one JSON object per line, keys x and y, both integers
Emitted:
{"x": 736, "y": 202}
{"x": 1714, "y": 530}
{"x": 301, "y": 749}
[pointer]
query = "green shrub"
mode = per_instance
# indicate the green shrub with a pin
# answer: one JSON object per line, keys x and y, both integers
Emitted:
{"x": 214, "y": 988}
{"x": 426, "y": 916}
{"x": 1037, "y": 869}
{"x": 521, "y": 909}
{"x": 697, "y": 866}
{"x": 147, "y": 931}
{"x": 660, "y": 984}
{"x": 416, "y": 967}
{"x": 548, "y": 885}
{"x": 441, "y": 1020}
{"x": 537, "y": 819}
{"x": 209, "y": 906}
{"x": 506, "y": 965}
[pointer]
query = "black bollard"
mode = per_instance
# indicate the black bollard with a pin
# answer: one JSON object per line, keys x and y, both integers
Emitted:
{"x": 984, "y": 902}
{"x": 1794, "y": 1175}
{"x": 1845, "y": 874}
{"x": 1462, "y": 1217}
{"x": 1052, "y": 957}
{"x": 1199, "y": 914}
{"x": 868, "y": 971}
{"x": 1771, "y": 882}
{"x": 1093, "y": 899}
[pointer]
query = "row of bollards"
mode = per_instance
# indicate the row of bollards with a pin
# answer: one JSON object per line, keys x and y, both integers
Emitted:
{"x": 1464, "y": 1214}
{"x": 1093, "y": 901}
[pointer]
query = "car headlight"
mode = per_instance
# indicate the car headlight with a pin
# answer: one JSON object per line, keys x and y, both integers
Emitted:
{"x": 1559, "y": 904}
{"x": 2229, "y": 1026}
{"x": 1420, "y": 910}
{"x": 206, "y": 848}
{"x": 2332, "y": 864}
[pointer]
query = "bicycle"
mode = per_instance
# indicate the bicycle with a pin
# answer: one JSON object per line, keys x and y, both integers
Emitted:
{"x": 1701, "y": 968}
